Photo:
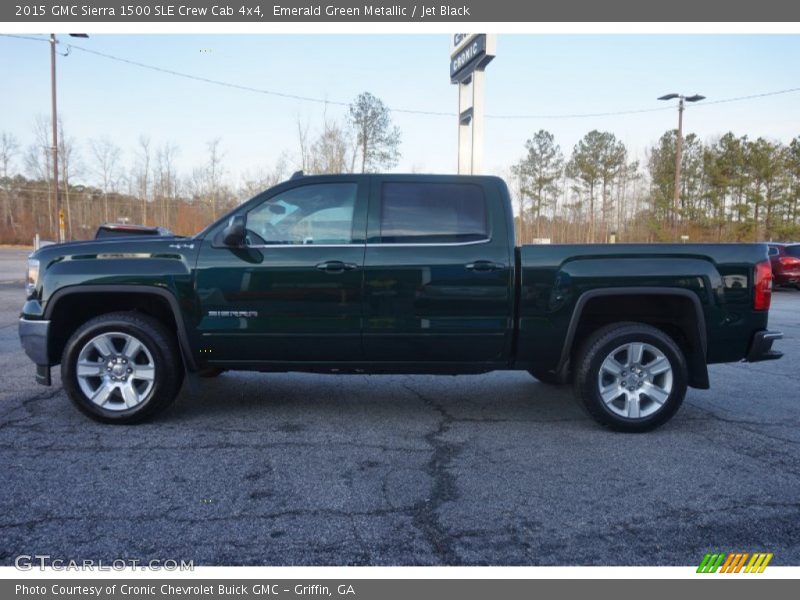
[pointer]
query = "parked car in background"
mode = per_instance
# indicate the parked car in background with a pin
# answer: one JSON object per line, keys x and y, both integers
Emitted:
{"x": 785, "y": 259}
{"x": 107, "y": 230}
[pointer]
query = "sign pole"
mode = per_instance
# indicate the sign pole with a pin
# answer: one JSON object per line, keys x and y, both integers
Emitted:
{"x": 478, "y": 78}
{"x": 464, "y": 128}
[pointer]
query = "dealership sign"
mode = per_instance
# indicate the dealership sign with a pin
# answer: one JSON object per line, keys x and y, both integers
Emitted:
{"x": 470, "y": 52}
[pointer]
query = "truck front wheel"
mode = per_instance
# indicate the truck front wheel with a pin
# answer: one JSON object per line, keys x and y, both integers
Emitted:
{"x": 121, "y": 367}
{"x": 630, "y": 376}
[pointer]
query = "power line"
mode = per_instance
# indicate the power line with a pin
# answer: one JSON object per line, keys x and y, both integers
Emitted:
{"x": 25, "y": 37}
{"x": 582, "y": 115}
{"x": 647, "y": 110}
{"x": 244, "y": 87}
{"x": 223, "y": 83}
{"x": 750, "y": 97}
{"x": 325, "y": 101}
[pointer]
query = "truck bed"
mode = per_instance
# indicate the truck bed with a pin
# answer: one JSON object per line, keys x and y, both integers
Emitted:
{"x": 554, "y": 279}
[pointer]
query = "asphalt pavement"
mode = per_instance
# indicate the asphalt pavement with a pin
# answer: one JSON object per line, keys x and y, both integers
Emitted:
{"x": 494, "y": 469}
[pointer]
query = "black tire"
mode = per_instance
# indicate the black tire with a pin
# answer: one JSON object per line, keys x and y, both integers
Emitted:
{"x": 545, "y": 377}
{"x": 162, "y": 348}
{"x": 588, "y": 379}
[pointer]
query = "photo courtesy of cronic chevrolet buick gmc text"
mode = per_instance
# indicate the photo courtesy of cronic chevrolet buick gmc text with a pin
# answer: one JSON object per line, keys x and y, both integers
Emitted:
{"x": 391, "y": 274}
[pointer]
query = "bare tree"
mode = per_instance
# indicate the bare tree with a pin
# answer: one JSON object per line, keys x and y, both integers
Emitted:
{"x": 141, "y": 174}
{"x": 214, "y": 173}
{"x": 39, "y": 164}
{"x": 302, "y": 138}
{"x": 256, "y": 182}
{"x": 330, "y": 151}
{"x": 165, "y": 180}
{"x": 106, "y": 155}
{"x": 378, "y": 140}
{"x": 68, "y": 164}
{"x": 38, "y": 158}
{"x": 9, "y": 146}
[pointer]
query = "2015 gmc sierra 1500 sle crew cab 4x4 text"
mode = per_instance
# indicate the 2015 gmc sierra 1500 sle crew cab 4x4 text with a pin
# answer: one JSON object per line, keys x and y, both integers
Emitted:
{"x": 391, "y": 274}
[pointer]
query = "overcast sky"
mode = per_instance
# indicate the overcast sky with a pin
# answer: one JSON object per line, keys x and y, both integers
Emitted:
{"x": 532, "y": 75}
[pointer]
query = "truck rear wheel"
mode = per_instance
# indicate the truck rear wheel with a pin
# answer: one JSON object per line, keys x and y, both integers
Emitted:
{"x": 631, "y": 377}
{"x": 121, "y": 367}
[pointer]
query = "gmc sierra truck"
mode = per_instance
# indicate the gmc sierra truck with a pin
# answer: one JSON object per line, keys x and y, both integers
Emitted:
{"x": 391, "y": 274}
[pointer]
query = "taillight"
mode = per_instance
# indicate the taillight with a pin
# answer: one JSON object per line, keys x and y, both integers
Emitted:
{"x": 789, "y": 262}
{"x": 763, "y": 286}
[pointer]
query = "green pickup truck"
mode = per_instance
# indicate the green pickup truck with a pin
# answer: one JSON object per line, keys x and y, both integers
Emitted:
{"x": 391, "y": 274}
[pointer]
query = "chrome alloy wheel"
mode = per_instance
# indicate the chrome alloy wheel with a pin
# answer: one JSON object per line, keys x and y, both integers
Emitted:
{"x": 635, "y": 380}
{"x": 115, "y": 371}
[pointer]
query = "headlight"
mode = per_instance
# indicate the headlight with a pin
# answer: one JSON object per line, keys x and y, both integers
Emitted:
{"x": 33, "y": 276}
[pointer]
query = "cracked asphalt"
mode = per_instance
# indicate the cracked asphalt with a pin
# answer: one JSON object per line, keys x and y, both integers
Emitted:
{"x": 495, "y": 469}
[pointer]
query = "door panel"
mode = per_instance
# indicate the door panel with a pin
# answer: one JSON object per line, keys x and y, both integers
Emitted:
{"x": 422, "y": 304}
{"x": 287, "y": 298}
{"x": 284, "y": 307}
{"x": 437, "y": 301}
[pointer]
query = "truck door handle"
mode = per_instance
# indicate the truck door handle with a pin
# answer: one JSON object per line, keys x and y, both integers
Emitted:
{"x": 336, "y": 266}
{"x": 484, "y": 266}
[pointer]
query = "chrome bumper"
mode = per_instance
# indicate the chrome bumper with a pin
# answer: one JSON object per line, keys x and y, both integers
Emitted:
{"x": 761, "y": 346}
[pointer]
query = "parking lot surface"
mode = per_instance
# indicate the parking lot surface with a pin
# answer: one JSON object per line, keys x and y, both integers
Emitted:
{"x": 494, "y": 469}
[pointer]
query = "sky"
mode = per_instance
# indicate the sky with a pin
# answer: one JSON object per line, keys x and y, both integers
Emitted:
{"x": 546, "y": 76}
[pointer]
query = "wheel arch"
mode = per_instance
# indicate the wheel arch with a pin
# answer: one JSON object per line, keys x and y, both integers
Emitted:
{"x": 157, "y": 302}
{"x": 689, "y": 333}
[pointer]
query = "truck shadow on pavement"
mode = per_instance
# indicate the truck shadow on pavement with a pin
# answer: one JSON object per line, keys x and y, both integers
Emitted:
{"x": 488, "y": 397}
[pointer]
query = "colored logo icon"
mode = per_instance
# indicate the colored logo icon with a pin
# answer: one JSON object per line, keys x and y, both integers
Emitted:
{"x": 735, "y": 562}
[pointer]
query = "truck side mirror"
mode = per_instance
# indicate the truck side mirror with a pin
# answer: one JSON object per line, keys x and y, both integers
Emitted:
{"x": 234, "y": 233}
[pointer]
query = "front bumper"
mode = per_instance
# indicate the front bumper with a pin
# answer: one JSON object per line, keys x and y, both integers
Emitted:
{"x": 33, "y": 337}
{"x": 761, "y": 346}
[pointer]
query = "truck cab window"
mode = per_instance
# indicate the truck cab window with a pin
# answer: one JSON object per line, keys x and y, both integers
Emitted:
{"x": 309, "y": 214}
{"x": 428, "y": 213}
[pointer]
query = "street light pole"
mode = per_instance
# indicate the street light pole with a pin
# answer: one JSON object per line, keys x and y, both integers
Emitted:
{"x": 676, "y": 193}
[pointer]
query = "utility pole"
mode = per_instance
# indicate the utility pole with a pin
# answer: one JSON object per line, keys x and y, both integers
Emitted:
{"x": 57, "y": 203}
{"x": 676, "y": 193}
{"x": 57, "y": 197}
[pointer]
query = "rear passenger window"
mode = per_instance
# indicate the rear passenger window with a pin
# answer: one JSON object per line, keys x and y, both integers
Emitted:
{"x": 773, "y": 251}
{"x": 429, "y": 213}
